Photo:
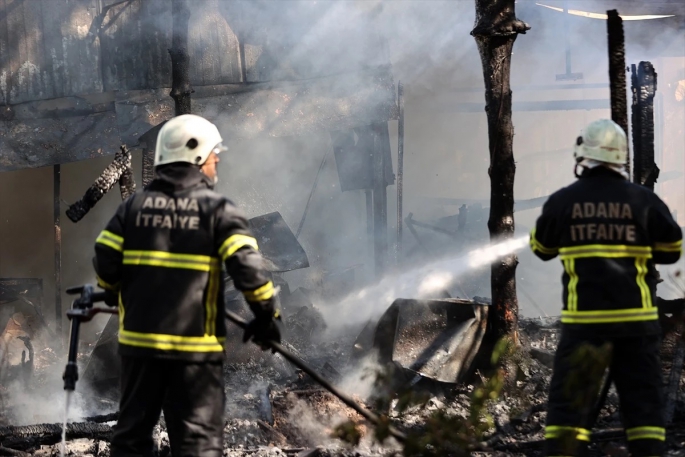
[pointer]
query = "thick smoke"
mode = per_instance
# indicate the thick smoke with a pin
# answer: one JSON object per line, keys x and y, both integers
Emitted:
{"x": 446, "y": 151}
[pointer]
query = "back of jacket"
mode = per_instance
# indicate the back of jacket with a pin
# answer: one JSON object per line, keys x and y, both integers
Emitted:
{"x": 608, "y": 233}
{"x": 163, "y": 251}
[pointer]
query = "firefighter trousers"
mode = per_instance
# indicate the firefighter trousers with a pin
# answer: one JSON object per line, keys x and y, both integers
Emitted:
{"x": 636, "y": 373}
{"x": 191, "y": 395}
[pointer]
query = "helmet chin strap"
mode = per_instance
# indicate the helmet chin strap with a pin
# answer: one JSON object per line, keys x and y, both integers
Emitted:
{"x": 214, "y": 180}
{"x": 575, "y": 169}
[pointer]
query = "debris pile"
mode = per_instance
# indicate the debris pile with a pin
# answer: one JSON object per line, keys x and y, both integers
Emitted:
{"x": 275, "y": 410}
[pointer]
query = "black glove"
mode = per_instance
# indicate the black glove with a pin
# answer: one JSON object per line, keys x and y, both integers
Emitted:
{"x": 111, "y": 298}
{"x": 261, "y": 331}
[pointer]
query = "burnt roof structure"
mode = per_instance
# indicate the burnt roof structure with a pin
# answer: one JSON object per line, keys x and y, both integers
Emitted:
{"x": 81, "y": 77}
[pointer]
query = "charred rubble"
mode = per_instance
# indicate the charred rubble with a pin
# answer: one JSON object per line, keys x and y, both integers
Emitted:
{"x": 275, "y": 410}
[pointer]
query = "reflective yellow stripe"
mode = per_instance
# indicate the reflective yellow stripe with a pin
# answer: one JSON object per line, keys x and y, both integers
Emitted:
{"x": 609, "y": 316}
{"x": 645, "y": 293}
{"x": 572, "y": 300}
{"x": 121, "y": 314}
{"x": 105, "y": 285}
{"x": 676, "y": 246}
{"x": 205, "y": 343}
{"x": 263, "y": 293}
{"x": 235, "y": 242}
{"x": 646, "y": 433}
{"x": 212, "y": 298}
{"x": 170, "y": 260}
{"x": 557, "y": 431}
{"x": 537, "y": 246}
{"x": 605, "y": 250}
{"x": 111, "y": 240}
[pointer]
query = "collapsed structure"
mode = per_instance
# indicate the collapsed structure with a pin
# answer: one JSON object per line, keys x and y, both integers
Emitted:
{"x": 111, "y": 107}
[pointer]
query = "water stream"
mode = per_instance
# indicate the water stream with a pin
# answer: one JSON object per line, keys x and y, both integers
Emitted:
{"x": 64, "y": 424}
{"x": 420, "y": 282}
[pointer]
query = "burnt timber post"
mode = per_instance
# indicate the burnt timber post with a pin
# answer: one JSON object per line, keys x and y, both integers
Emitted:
{"x": 56, "y": 191}
{"x": 495, "y": 31}
{"x": 643, "y": 85}
{"x": 180, "y": 61}
{"x": 617, "y": 73}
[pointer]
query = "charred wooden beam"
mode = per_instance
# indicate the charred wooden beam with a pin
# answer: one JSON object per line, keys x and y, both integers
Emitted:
{"x": 107, "y": 179}
{"x": 643, "y": 85}
{"x": 617, "y": 73}
{"x": 495, "y": 32}
{"x": 11, "y": 452}
{"x": 127, "y": 182}
{"x": 180, "y": 61}
{"x": 27, "y": 436}
{"x": 148, "y": 165}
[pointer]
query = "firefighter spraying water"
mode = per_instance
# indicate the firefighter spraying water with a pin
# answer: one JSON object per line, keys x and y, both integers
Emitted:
{"x": 608, "y": 233}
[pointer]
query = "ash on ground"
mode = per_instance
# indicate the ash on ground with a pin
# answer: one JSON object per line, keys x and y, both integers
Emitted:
{"x": 275, "y": 410}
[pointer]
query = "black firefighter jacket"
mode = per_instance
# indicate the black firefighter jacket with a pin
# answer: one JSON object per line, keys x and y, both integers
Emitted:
{"x": 163, "y": 251}
{"x": 608, "y": 233}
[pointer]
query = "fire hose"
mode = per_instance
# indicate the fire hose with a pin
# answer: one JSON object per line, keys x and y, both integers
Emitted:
{"x": 83, "y": 311}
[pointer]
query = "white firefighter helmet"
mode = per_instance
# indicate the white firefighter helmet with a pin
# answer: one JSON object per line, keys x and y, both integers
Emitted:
{"x": 602, "y": 140}
{"x": 187, "y": 138}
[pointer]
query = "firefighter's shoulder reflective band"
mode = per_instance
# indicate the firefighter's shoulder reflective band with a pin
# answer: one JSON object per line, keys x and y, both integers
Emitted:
{"x": 609, "y": 316}
{"x": 646, "y": 433}
{"x": 535, "y": 245}
{"x": 262, "y": 293}
{"x": 170, "y": 260}
{"x": 205, "y": 343}
{"x": 676, "y": 246}
{"x": 105, "y": 285}
{"x": 111, "y": 240}
{"x": 563, "y": 431}
{"x": 235, "y": 242}
{"x": 605, "y": 250}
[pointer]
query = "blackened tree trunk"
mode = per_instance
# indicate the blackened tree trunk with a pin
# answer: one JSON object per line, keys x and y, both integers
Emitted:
{"x": 645, "y": 169}
{"x": 180, "y": 71}
{"x": 495, "y": 32}
{"x": 617, "y": 73}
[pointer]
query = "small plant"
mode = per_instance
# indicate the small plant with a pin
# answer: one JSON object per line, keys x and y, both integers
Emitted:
{"x": 442, "y": 434}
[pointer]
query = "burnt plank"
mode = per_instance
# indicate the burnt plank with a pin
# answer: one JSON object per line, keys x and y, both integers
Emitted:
{"x": 229, "y": 60}
{"x": 159, "y": 38}
{"x": 70, "y": 51}
{"x": 33, "y": 68}
{"x": 17, "y": 52}
{"x": 55, "y": 13}
{"x": 129, "y": 39}
{"x": 196, "y": 48}
{"x": 119, "y": 49}
{"x": 5, "y": 58}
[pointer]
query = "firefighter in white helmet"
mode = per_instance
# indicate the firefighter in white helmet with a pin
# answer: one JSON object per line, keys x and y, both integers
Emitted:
{"x": 161, "y": 254}
{"x": 608, "y": 233}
